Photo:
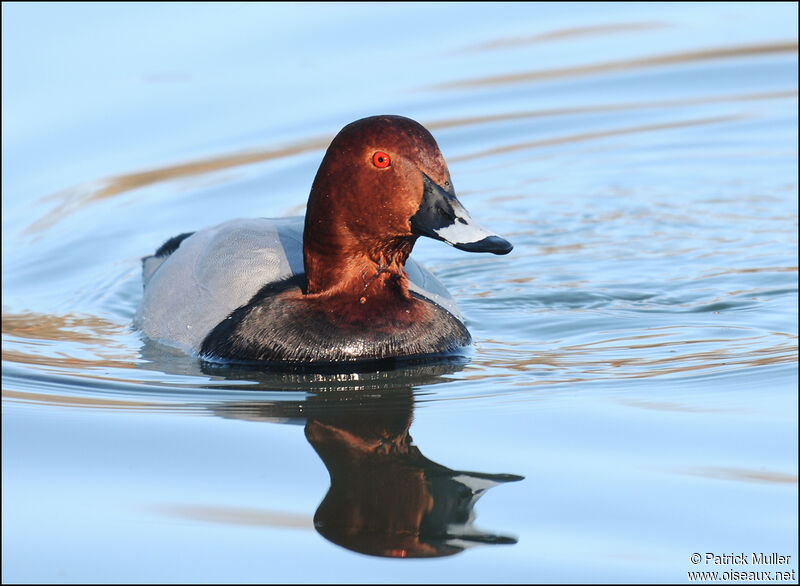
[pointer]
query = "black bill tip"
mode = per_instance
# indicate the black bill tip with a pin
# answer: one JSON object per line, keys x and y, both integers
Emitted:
{"x": 493, "y": 244}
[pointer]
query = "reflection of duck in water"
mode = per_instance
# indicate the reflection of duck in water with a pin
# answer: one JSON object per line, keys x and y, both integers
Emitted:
{"x": 385, "y": 497}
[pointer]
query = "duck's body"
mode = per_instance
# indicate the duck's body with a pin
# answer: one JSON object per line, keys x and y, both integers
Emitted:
{"x": 253, "y": 268}
{"x": 336, "y": 286}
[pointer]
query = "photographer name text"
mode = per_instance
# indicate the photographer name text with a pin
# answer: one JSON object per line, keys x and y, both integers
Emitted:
{"x": 740, "y": 559}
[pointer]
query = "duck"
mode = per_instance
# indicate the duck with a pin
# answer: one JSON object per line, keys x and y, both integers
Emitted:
{"x": 336, "y": 286}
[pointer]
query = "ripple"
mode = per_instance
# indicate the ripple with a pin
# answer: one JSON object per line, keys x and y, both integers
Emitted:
{"x": 607, "y": 108}
{"x": 567, "y": 33}
{"x": 72, "y": 199}
{"x": 741, "y": 475}
{"x": 718, "y": 53}
{"x": 664, "y": 351}
{"x": 236, "y": 516}
{"x": 587, "y": 136}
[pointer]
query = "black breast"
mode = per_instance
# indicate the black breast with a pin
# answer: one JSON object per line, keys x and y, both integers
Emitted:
{"x": 279, "y": 326}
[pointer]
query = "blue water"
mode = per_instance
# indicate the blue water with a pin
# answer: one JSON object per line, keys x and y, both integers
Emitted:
{"x": 631, "y": 397}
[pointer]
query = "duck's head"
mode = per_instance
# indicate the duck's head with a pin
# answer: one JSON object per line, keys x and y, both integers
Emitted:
{"x": 382, "y": 183}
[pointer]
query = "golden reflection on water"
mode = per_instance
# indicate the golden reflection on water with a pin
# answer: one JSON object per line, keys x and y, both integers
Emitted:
{"x": 623, "y": 65}
{"x": 741, "y": 474}
{"x": 70, "y": 364}
{"x": 670, "y": 406}
{"x": 748, "y": 270}
{"x": 87, "y": 329}
{"x": 237, "y": 516}
{"x": 31, "y": 332}
{"x": 601, "y": 360}
{"x": 607, "y": 108}
{"x": 584, "y": 136}
{"x": 74, "y": 198}
{"x": 86, "y": 402}
{"x": 567, "y": 33}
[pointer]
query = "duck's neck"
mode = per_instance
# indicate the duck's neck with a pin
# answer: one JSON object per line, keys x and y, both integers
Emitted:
{"x": 338, "y": 268}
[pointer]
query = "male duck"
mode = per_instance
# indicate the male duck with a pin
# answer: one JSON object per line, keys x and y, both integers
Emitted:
{"x": 336, "y": 288}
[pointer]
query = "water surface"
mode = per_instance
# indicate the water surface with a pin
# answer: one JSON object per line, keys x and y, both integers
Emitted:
{"x": 631, "y": 397}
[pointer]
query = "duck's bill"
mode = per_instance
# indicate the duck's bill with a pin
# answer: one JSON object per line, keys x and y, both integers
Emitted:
{"x": 441, "y": 216}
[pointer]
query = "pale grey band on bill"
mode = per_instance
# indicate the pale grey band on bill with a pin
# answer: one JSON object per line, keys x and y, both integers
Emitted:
{"x": 441, "y": 216}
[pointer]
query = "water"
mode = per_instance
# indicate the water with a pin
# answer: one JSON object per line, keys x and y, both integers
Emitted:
{"x": 631, "y": 397}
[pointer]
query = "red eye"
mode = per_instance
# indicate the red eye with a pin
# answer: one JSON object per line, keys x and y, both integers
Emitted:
{"x": 381, "y": 160}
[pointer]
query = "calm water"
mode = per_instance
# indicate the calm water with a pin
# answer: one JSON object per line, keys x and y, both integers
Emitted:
{"x": 631, "y": 396}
